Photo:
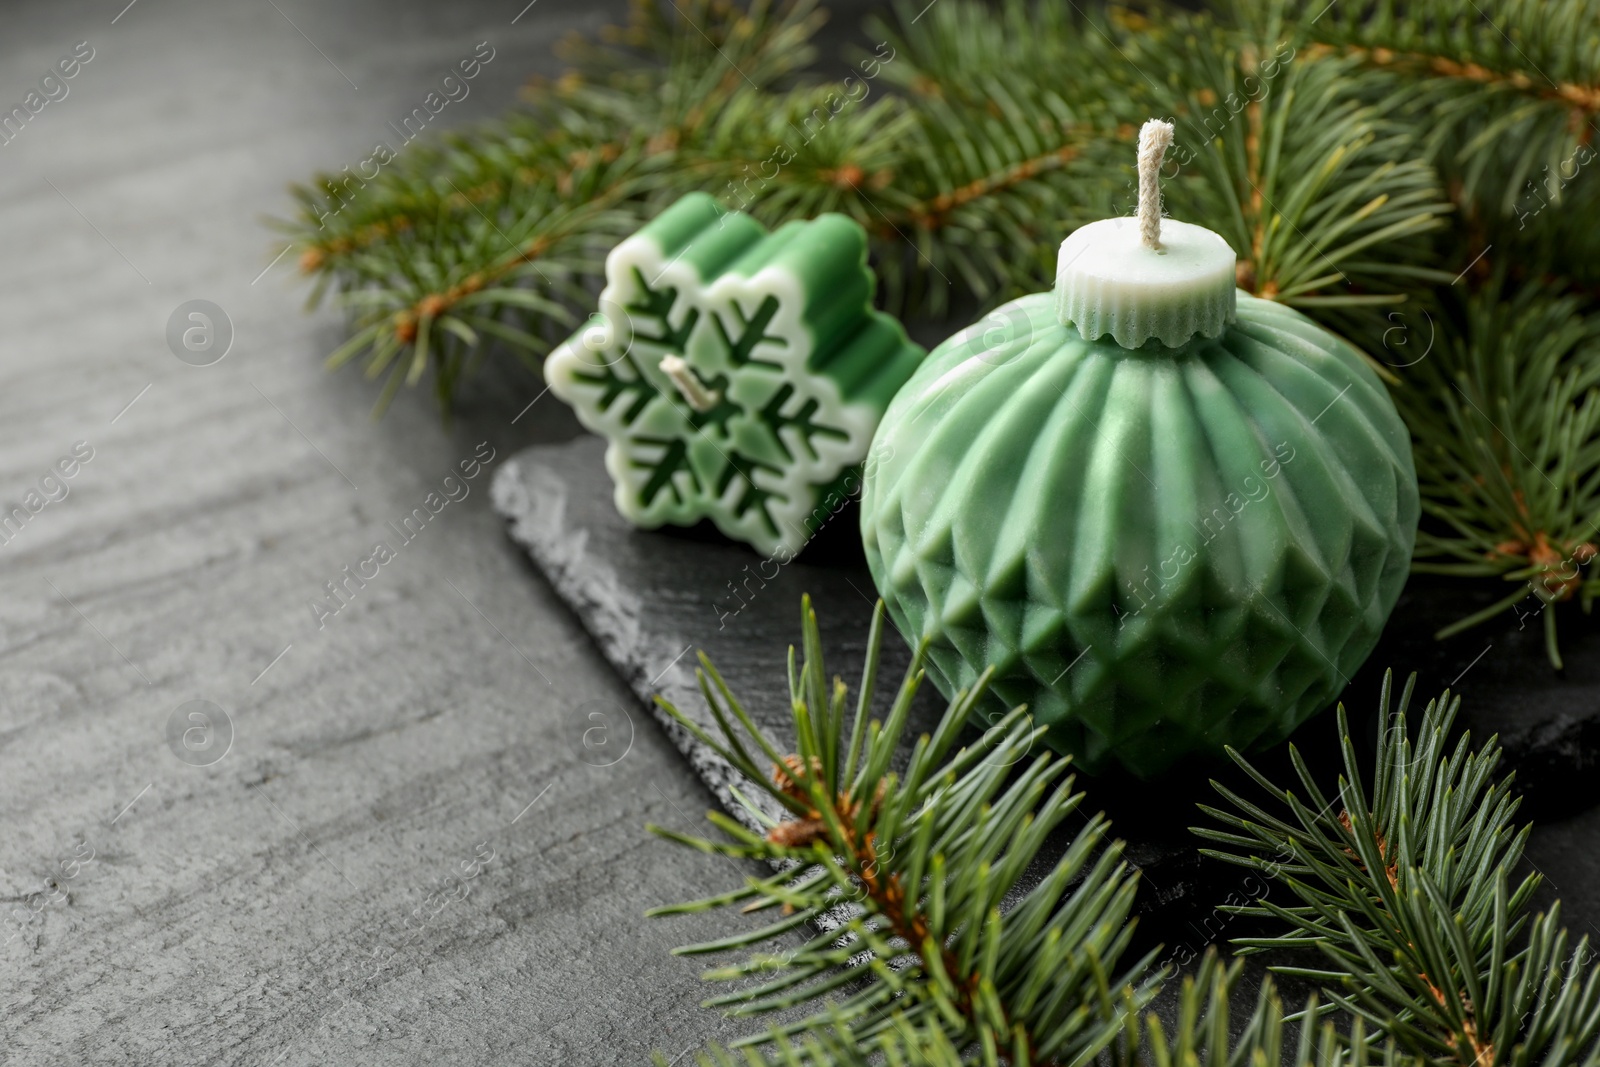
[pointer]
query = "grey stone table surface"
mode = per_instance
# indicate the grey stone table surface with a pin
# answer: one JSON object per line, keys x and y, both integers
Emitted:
{"x": 303, "y": 899}
{"x": 401, "y": 853}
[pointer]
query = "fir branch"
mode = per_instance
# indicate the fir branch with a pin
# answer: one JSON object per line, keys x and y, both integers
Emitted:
{"x": 1202, "y": 1037}
{"x": 998, "y": 154}
{"x": 893, "y": 882}
{"x": 915, "y": 865}
{"x": 1502, "y": 86}
{"x": 1407, "y": 887}
{"x": 1506, "y": 411}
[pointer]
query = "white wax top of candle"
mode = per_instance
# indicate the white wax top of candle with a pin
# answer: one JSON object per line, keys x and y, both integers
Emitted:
{"x": 1108, "y": 282}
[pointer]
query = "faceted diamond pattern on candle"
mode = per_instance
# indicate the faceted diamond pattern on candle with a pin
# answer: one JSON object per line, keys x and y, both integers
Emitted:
{"x": 791, "y": 371}
{"x": 1167, "y": 554}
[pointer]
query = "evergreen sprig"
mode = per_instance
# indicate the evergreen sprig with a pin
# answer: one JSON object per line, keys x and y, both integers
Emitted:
{"x": 1387, "y": 167}
{"x": 1507, "y": 416}
{"x": 906, "y": 873}
{"x": 1202, "y": 1037}
{"x": 1408, "y": 888}
{"x": 912, "y": 941}
{"x": 1502, "y": 89}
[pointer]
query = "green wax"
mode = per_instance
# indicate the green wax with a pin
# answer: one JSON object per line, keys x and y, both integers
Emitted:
{"x": 1161, "y": 550}
{"x": 786, "y": 371}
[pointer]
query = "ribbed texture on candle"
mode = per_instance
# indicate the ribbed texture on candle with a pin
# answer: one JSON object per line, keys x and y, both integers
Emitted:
{"x": 1108, "y": 284}
{"x": 1159, "y": 557}
{"x": 1098, "y": 306}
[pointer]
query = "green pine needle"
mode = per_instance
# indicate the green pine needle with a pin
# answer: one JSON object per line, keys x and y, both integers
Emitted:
{"x": 885, "y": 940}
{"x": 900, "y": 876}
{"x": 1417, "y": 177}
{"x": 1409, "y": 886}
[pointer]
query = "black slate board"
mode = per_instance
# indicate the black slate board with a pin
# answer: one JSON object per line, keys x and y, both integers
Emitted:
{"x": 651, "y": 599}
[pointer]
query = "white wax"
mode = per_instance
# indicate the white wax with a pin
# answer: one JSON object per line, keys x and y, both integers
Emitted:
{"x": 1107, "y": 281}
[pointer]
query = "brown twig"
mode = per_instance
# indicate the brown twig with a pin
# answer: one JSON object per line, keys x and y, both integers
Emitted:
{"x": 894, "y": 903}
{"x": 930, "y": 214}
{"x": 1468, "y": 1039}
{"x": 1583, "y": 99}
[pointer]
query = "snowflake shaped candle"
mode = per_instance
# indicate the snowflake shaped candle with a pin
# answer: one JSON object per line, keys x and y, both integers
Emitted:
{"x": 738, "y": 375}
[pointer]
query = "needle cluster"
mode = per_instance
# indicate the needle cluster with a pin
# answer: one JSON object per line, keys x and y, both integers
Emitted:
{"x": 1417, "y": 176}
{"x": 908, "y": 912}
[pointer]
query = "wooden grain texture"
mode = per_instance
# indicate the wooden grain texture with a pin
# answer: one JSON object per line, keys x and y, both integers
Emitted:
{"x": 232, "y": 913}
{"x": 238, "y": 913}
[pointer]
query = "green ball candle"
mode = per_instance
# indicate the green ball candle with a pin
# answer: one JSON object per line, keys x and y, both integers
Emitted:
{"x": 1172, "y": 516}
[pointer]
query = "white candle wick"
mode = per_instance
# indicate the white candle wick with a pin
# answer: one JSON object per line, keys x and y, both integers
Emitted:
{"x": 1154, "y": 137}
{"x": 694, "y": 394}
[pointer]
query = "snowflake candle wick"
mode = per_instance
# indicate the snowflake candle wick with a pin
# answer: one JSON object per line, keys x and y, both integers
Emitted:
{"x": 694, "y": 394}
{"x": 738, "y": 375}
